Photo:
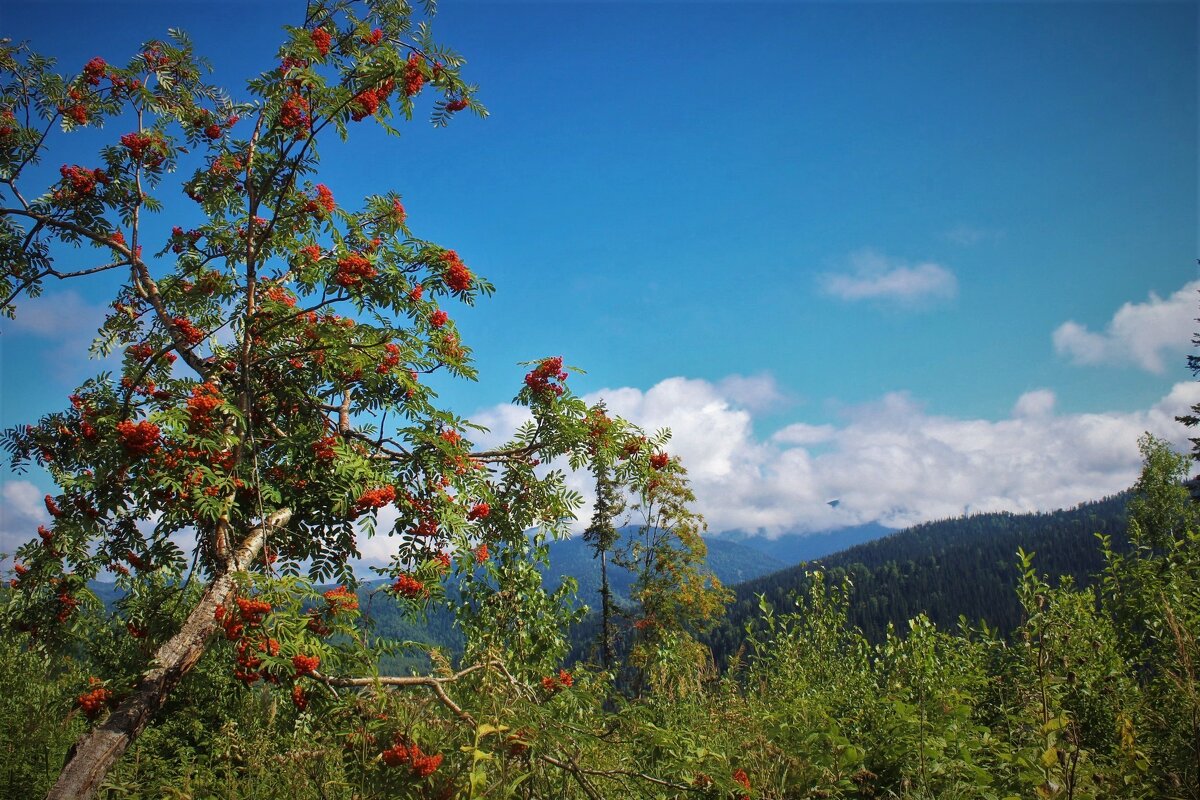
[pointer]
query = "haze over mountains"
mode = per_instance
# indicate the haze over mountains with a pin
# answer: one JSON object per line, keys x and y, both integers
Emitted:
{"x": 964, "y": 566}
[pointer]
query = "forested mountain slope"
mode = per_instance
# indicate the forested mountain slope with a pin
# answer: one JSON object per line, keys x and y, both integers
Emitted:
{"x": 964, "y": 566}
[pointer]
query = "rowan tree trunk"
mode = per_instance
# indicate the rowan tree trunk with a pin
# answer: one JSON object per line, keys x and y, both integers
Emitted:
{"x": 98, "y": 750}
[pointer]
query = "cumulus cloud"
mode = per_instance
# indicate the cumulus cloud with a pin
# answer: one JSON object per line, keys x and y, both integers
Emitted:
{"x": 1141, "y": 334}
{"x": 1037, "y": 403}
{"x": 754, "y": 392}
{"x": 890, "y": 460}
{"x": 874, "y": 276}
{"x": 20, "y": 514}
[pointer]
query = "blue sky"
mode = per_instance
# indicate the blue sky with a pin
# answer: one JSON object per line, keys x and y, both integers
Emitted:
{"x": 950, "y": 242}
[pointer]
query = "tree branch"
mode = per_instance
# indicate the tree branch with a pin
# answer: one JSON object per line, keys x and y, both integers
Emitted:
{"x": 96, "y": 752}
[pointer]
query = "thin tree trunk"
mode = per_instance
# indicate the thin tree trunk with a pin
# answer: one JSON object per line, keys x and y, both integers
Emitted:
{"x": 606, "y": 650}
{"x": 98, "y": 750}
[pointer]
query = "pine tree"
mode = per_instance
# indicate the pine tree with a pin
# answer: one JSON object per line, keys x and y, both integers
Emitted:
{"x": 602, "y": 535}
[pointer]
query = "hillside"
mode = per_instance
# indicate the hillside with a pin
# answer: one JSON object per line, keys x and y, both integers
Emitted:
{"x": 946, "y": 569}
{"x": 732, "y": 562}
{"x": 792, "y": 548}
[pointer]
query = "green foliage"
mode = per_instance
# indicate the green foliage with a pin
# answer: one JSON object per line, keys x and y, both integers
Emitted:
{"x": 1092, "y": 696}
{"x": 1153, "y": 597}
{"x": 306, "y": 326}
{"x": 946, "y": 570}
{"x": 37, "y": 724}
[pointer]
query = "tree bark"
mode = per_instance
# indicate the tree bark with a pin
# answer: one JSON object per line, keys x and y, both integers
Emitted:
{"x": 98, "y": 750}
{"x": 606, "y": 651}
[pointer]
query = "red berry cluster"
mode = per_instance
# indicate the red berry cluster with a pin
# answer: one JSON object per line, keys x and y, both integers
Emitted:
{"x": 321, "y": 39}
{"x": 427, "y": 526}
{"x": 66, "y": 606}
{"x": 390, "y": 360}
{"x": 741, "y": 779}
{"x": 563, "y": 680}
{"x": 457, "y": 105}
{"x": 323, "y": 449}
{"x": 367, "y": 102}
{"x": 80, "y": 180}
{"x": 398, "y": 212}
{"x": 317, "y": 624}
{"x": 279, "y": 294}
{"x": 188, "y": 331}
{"x": 340, "y": 600}
{"x": 245, "y": 627}
{"x": 8, "y": 122}
{"x": 75, "y": 110}
{"x": 410, "y": 587}
{"x": 422, "y": 765}
{"x": 373, "y": 38}
{"x": 352, "y": 270}
{"x": 289, "y": 63}
{"x": 456, "y": 274}
{"x": 438, "y": 318}
{"x": 154, "y": 58}
{"x": 659, "y": 460}
{"x": 293, "y": 115}
{"x": 479, "y": 511}
{"x": 632, "y": 447}
{"x": 94, "y": 702}
{"x": 304, "y": 664}
{"x": 52, "y": 507}
{"x": 139, "y": 439}
{"x": 248, "y": 662}
{"x": 205, "y": 399}
{"x": 541, "y": 379}
{"x": 374, "y": 498}
{"x": 321, "y": 204}
{"x": 414, "y": 79}
{"x": 145, "y": 148}
{"x": 299, "y": 697}
{"x": 181, "y": 238}
{"x": 481, "y": 553}
{"x": 94, "y": 70}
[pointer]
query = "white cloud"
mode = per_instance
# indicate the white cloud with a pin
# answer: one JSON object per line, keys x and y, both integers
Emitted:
{"x": 802, "y": 433}
{"x": 754, "y": 392}
{"x": 1037, "y": 403}
{"x": 890, "y": 460}
{"x": 1141, "y": 334}
{"x": 20, "y": 514}
{"x": 57, "y": 314}
{"x": 874, "y": 276}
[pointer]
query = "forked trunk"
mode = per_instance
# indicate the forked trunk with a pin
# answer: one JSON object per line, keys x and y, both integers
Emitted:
{"x": 98, "y": 750}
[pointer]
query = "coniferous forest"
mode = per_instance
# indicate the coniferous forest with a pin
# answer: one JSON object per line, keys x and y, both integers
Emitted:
{"x": 189, "y": 623}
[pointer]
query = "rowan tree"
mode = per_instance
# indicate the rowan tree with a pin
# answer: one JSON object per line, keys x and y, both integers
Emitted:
{"x": 677, "y": 594}
{"x": 273, "y": 395}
